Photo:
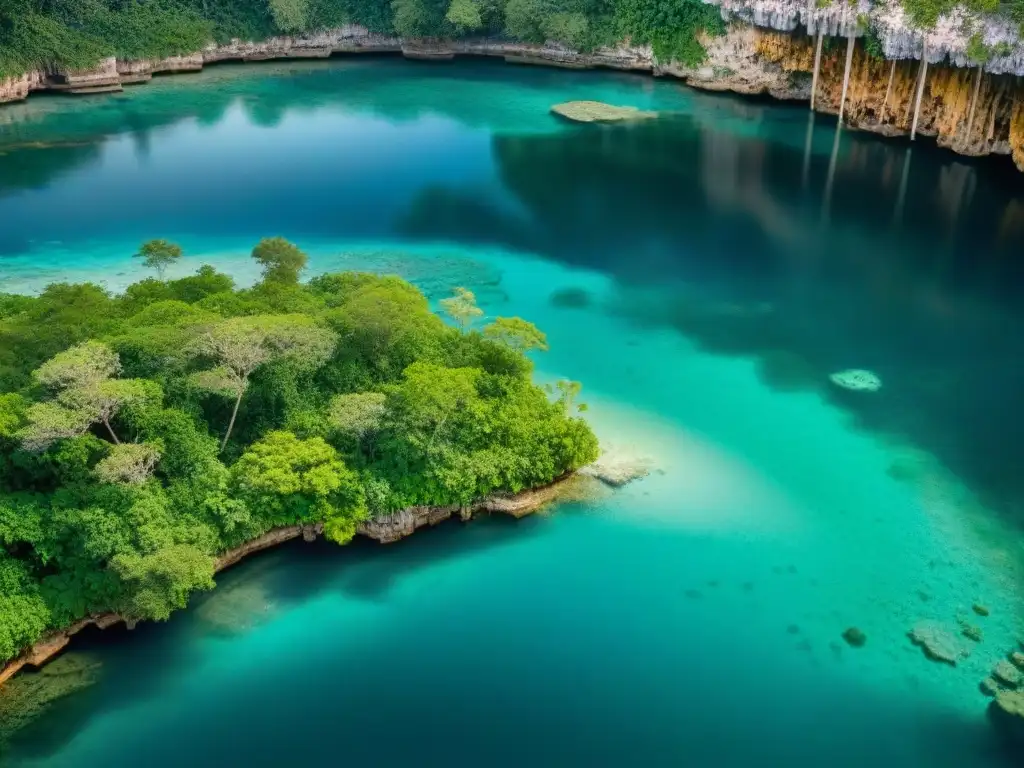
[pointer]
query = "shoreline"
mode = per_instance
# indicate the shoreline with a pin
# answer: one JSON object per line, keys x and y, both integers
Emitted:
{"x": 970, "y": 115}
{"x": 385, "y": 530}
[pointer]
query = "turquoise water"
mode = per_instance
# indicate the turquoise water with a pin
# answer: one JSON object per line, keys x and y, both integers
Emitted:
{"x": 725, "y": 260}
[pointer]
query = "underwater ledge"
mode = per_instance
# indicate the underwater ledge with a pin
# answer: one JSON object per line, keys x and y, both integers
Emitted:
{"x": 972, "y": 112}
{"x": 384, "y": 529}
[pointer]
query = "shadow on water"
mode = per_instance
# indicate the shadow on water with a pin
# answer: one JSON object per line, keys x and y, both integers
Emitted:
{"x": 856, "y": 253}
{"x": 149, "y": 658}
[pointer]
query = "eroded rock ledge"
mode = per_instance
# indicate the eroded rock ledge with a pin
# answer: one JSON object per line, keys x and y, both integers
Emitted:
{"x": 386, "y": 530}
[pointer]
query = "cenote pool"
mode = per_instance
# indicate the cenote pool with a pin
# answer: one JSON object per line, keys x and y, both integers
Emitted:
{"x": 702, "y": 274}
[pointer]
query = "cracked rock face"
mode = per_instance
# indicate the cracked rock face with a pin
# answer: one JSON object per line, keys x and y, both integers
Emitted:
{"x": 899, "y": 37}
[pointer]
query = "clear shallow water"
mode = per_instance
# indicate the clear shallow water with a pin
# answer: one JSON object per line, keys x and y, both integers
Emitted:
{"x": 694, "y": 617}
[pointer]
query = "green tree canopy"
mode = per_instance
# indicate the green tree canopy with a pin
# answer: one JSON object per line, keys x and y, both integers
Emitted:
{"x": 282, "y": 261}
{"x": 159, "y": 255}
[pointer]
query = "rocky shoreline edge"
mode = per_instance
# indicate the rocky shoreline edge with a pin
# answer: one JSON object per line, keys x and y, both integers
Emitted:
{"x": 972, "y": 113}
{"x": 385, "y": 530}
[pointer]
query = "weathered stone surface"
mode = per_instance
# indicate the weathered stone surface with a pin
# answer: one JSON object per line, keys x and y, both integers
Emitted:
{"x": 989, "y": 687}
{"x": 971, "y": 632}
{"x": 1006, "y": 674}
{"x": 618, "y": 470}
{"x": 599, "y": 112}
{"x": 937, "y": 643}
{"x": 857, "y": 380}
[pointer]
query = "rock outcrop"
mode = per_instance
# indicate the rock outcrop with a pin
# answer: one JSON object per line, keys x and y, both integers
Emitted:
{"x": 937, "y": 643}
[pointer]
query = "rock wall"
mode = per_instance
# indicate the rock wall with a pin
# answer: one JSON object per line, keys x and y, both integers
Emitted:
{"x": 900, "y": 38}
{"x": 994, "y": 126}
{"x": 747, "y": 60}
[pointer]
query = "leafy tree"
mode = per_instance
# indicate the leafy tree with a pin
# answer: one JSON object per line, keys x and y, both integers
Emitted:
{"x": 359, "y": 415}
{"x": 282, "y": 261}
{"x": 464, "y": 15}
{"x": 301, "y": 481}
{"x": 524, "y": 20}
{"x": 290, "y": 15}
{"x": 159, "y": 255}
{"x": 86, "y": 394}
{"x": 570, "y": 390}
{"x": 462, "y": 308}
{"x": 431, "y": 397}
{"x": 241, "y": 345}
{"x": 129, "y": 463}
{"x": 50, "y": 422}
{"x": 23, "y": 612}
{"x": 81, "y": 366}
{"x": 158, "y": 583}
{"x": 517, "y": 333}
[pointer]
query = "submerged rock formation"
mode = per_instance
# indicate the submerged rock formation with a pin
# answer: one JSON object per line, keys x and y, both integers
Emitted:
{"x": 937, "y": 643}
{"x": 24, "y": 699}
{"x": 599, "y": 112}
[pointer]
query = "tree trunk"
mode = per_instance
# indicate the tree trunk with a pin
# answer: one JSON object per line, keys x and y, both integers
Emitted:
{"x": 974, "y": 103}
{"x": 817, "y": 66}
{"x": 920, "y": 93}
{"x": 846, "y": 76}
{"x": 106, "y": 423}
{"x": 231, "y": 424}
{"x": 888, "y": 91}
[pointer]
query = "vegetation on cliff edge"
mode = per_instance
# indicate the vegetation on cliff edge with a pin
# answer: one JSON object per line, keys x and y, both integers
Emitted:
{"x": 141, "y": 434}
{"x": 77, "y": 34}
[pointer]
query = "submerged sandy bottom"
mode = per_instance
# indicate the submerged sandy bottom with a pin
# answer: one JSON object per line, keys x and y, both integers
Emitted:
{"x": 697, "y": 613}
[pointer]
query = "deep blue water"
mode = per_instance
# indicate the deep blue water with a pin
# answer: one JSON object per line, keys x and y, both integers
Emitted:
{"x": 732, "y": 255}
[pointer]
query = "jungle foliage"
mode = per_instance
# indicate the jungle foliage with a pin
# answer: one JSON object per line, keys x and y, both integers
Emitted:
{"x": 141, "y": 434}
{"x": 78, "y": 34}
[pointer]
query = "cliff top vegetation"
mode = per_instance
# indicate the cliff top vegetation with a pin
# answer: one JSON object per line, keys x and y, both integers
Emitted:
{"x": 141, "y": 434}
{"x": 78, "y": 34}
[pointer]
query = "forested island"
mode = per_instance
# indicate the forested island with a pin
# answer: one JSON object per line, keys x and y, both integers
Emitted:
{"x": 144, "y": 434}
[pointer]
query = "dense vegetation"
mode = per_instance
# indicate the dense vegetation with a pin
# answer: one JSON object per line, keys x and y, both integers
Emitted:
{"x": 142, "y": 434}
{"x": 77, "y": 34}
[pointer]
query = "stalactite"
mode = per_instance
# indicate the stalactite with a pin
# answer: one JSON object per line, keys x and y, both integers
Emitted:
{"x": 920, "y": 92}
{"x": 817, "y": 69}
{"x": 910, "y": 96}
{"x": 974, "y": 103}
{"x": 846, "y": 76}
{"x": 888, "y": 91}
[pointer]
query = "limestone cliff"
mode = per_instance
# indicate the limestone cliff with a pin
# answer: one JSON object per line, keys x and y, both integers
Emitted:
{"x": 975, "y": 111}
